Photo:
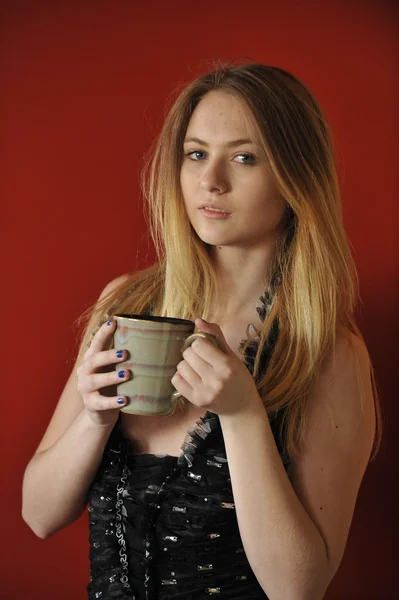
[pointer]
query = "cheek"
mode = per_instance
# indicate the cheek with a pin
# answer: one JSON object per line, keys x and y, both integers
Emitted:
{"x": 186, "y": 183}
{"x": 189, "y": 184}
{"x": 182, "y": 180}
{"x": 268, "y": 204}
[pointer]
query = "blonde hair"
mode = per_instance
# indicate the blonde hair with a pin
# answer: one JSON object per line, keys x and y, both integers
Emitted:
{"x": 317, "y": 292}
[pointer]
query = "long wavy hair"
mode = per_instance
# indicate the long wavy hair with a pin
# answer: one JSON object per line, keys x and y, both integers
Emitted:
{"x": 317, "y": 291}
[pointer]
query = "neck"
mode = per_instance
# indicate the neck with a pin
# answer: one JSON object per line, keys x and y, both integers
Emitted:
{"x": 242, "y": 276}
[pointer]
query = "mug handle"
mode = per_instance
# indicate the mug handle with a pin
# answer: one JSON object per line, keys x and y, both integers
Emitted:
{"x": 199, "y": 334}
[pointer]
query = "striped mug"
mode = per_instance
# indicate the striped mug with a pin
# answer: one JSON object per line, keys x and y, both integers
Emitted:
{"x": 155, "y": 346}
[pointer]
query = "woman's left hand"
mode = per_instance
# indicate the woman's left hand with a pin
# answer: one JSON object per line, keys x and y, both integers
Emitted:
{"x": 215, "y": 378}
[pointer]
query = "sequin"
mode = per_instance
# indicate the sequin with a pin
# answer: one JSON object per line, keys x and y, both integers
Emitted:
{"x": 212, "y": 463}
{"x": 221, "y": 459}
{"x": 204, "y": 567}
{"x": 194, "y": 476}
{"x": 112, "y": 579}
{"x": 213, "y": 590}
{"x": 168, "y": 582}
{"x": 99, "y": 595}
{"x": 96, "y": 544}
{"x": 180, "y": 509}
{"x": 152, "y": 489}
{"x": 213, "y": 536}
{"x": 241, "y": 577}
{"x": 109, "y": 532}
{"x": 227, "y": 504}
{"x": 172, "y": 538}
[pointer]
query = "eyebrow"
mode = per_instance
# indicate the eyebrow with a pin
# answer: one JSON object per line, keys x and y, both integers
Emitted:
{"x": 231, "y": 144}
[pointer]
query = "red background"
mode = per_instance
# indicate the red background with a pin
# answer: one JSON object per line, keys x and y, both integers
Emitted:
{"x": 84, "y": 87}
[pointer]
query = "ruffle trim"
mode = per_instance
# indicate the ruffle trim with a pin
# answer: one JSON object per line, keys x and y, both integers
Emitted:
{"x": 106, "y": 529}
{"x": 266, "y": 303}
{"x": 196, "y": 435}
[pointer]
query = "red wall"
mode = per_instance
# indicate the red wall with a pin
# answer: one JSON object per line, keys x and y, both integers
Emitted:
{"x": 84, "y": 86}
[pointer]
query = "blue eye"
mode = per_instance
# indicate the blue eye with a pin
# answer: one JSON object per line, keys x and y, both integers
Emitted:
{"x": 199, "y": 155}
{"x": 195, "y": 152}
{"x": 249, "y": 159}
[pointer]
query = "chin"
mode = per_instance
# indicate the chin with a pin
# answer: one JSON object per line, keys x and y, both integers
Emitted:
{"x": 213, "y": 240}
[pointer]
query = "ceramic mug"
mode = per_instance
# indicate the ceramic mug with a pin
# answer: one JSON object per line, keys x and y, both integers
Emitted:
{"x": 155, "y": 346}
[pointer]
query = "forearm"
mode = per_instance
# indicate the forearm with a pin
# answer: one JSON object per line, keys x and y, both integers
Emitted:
{"x": 57, "y": 480}
{"x": 283, "y": 545}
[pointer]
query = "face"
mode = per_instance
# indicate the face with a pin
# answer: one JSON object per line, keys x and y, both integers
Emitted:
{"x": 224, "y": 169}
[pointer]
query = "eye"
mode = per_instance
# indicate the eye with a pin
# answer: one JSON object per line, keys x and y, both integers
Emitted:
{"x": 247, "y": 159}
{"x": 242, "y": 158}
{"x": 196, "y": 155}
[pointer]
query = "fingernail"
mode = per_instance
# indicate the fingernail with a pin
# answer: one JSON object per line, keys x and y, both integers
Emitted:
{"x": 109, "y": 323}
{"x": 121, "y": 374}
{"x": 119, "y": 353}
{"x": 121, "y": 401}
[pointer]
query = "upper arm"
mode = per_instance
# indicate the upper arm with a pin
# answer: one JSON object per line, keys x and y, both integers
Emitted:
{"x": 70, "y": 402}
{"x": 327, "y": 472}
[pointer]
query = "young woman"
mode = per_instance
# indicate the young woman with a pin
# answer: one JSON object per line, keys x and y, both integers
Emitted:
{"x": 256, "y": 500}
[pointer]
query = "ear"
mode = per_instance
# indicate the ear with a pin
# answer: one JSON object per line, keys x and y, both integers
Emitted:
{"x": 215, "y": 330}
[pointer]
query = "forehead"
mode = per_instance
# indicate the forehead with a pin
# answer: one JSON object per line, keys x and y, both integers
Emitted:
{"x": 221, "y": 115}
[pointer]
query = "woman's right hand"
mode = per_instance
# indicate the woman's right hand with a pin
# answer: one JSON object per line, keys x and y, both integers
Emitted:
{"x": 102, "y": 410}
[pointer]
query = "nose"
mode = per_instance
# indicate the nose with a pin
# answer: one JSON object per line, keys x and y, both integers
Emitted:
{"x": 214, "y": 179}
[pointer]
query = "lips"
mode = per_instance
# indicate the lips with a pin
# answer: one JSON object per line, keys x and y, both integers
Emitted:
{"x": 214, "y": 214}
{"x": 212, "y": 207}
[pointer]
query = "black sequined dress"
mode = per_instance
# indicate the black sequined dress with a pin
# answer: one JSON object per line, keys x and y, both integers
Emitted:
{"x": 165, "y": 527}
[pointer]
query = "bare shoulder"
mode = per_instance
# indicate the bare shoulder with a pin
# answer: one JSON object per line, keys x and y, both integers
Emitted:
{"x": 339, "y": 435}
{"x": 70, "y": 403}
{"x": 350, "y": 357}
{"x": 115, "y": 283}
{"x": 345, "y": 383}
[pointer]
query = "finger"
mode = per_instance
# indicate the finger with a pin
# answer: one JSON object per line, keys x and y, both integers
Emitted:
{"x": 197, "y": 363}
{"x": 102, "y": 336}
{"x": 188, "y": 373}
{"x": 95, "y": 381}
{"x": 215, "y": 330}
{"x": 182, "y": 386}
{"x": 207, "y": 351}
{"x": 104, "y": 358}
{"x": 98, "y": 402}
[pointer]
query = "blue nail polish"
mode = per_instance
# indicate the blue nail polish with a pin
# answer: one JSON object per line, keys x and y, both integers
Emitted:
{"x": 121, "y": 374}
{"x": 119, "y": 353}
{"x": 109, "y": 323}
{"x": 121, "y": 401}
